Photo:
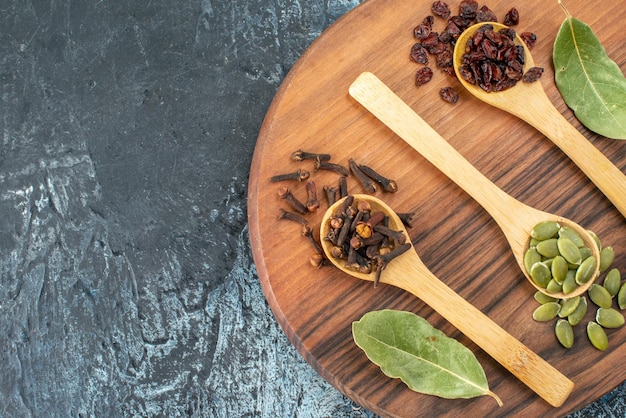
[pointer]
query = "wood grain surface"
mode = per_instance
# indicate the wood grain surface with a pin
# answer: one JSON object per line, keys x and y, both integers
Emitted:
{"x": 454, "y": 236}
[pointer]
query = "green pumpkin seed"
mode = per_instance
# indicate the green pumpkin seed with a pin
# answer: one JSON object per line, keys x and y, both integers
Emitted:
{"x": 548, "y": 262}
{"x": 597, "y": 336}
{"x": 546, "y": 312}
{"x": 540, "y": 273}
{"x": 569, "y": 285}
{"x": 586, "y": 271}
{"x": 607, "y": 255}
{"x": 570, "y": 234}
{"x": 549, "y": 248}
{"x": 543, "y": 298}
{"x": 559, "y": 269}
{"x": 564, "y": 333}
{"x": 596, "y": 239}
{"x": 581, "y": 310}
{"x": 612, "y": 281}
{"x": 609, "y": 318}
{"x": 621, "y": 297}
{"x": 568, "y": 250}
{"x": 545, "y": 230}
{"x": 554, "y": 287}
{"x": 585, "y": 252}
{"x": 600, "y": 296}
{"x": 568, "y": 306}
{"x": 531, "y": 256}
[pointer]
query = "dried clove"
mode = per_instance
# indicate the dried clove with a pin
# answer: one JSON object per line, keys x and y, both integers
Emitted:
{"x": 343, "y": 187}
{"x": 331, "y": 194}
{"x": 285, "y": 193}
{"x": 388, "y": 185}
{"x": 304, "y": 155}
{"x": 298, "y": 175}
{"x": 346, "y": 204}
{"x": 319, "y": 260}
{"x": 336, "y": 222}
{"x": 291, "y": 216}
{"x": 366, "y": 182}
{"x": 365, "y": 228}
{"x": 363, "y": 213}
{"x": 337, "y": 168}
{"x": 382, "y": 260}
{"x": 358, "y": 242}
{"x": 307, "y": 232}
{"x": 337, "y": 252}
{"x": 398, "y": 237}
{"x": 406, "y": 218}
{"x": 312, "y": 203}
{"x": 344, "y": 231}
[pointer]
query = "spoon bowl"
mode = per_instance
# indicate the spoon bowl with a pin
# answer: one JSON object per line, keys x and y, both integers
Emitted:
{"x": 515, "y": 218}
{"x": 408, "y": 272}
{"x": 529, "y": 102}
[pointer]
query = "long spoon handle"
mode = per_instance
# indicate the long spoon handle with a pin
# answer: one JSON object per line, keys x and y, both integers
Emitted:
{"x": 409, "y": 273}
{"x": 383, "y": 103}
{"x": 596, "y": 166}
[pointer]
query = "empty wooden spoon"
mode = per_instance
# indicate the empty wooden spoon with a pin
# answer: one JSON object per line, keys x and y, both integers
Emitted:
{"x": 529, "y": 102}
{"x": 515, "y": 218}
{"x": 408, "y": 272}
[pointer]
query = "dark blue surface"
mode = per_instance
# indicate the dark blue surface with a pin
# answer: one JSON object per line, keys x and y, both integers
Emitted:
{"x": 126, "y": 281}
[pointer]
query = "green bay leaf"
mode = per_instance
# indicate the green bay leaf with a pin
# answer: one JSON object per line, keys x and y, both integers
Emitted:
{"x": 407, "y": 347}
{"x": 591, "y": 84}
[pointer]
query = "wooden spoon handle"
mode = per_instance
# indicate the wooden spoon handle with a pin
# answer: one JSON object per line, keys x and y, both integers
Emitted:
{"x": 390, "y": 109}
{"x": 596, "y": 166}
{"x": 409, "y": 273}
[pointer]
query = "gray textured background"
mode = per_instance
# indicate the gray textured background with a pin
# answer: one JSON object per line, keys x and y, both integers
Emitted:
{"x": 126, "y": 280}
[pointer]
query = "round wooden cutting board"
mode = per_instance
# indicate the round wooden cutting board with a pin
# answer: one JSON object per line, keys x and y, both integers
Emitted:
{"x": 454, "y": 236}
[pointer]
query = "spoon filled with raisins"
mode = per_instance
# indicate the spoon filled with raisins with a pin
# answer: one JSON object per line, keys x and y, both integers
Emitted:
{"x": 523, "y": 226}
{"x": 495, "y": 65}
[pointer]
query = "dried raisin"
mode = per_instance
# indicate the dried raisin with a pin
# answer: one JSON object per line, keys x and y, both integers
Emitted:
{"x": 512, "y": 17}
{"x": 422, "y": 30}
{"x": 529, "y": 38}
{"x": 486, "y": 15}
{"x": 441, "y": 9}
{"x": 468, "y": 9}
{"x": 419, "y": 54}
{"x": 449, "y": 95}
{"x": 533, "y": 74}
{"x": 423, "y": 76}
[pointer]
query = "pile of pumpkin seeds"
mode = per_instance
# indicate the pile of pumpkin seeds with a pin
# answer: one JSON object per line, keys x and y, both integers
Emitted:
{"x": 571, "y": 311}
{"x": 558, "y": 260}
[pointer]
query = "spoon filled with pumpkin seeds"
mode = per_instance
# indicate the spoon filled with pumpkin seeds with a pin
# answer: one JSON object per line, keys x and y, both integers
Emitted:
{"x": 536, "y": 237}
{"x": 528, "y": 101}
{"x": 403, "y": 268}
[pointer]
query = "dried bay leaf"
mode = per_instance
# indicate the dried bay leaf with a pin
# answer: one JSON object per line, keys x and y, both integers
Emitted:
{"x": 591, "y": 84}
{"x": 407, "y": 347}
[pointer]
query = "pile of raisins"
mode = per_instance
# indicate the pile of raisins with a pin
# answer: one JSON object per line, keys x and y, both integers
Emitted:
{"x": 493, "y": 62}
{"x": 440, "y": 45}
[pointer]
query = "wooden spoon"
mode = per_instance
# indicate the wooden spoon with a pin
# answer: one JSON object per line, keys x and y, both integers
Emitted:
{"x": 408, "y": 272}
{"x": 529, "y": 102}
{"x": 514, "y": 217}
